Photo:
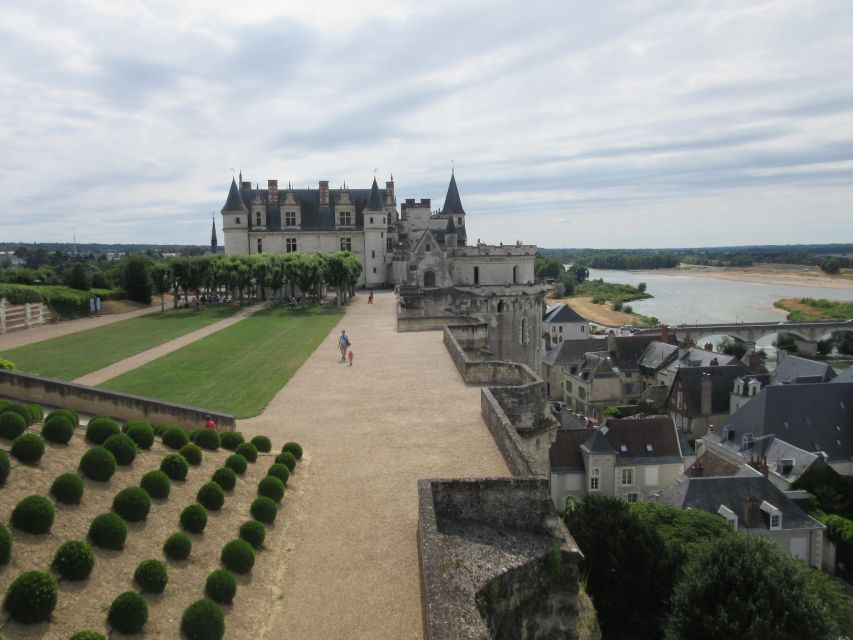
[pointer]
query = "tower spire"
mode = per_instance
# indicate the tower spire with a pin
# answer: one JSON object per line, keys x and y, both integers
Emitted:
{"x": 213, "y": 242}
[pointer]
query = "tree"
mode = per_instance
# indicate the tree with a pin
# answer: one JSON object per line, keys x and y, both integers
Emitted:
{"x": 642, "y": 287}
{"x": 547, "y": 267}
{"x": 137, "y": 284}
{"x": 831, "y": 265}
{"x": 580, "y": 272}
{"x": 732, "y": 347}
{"x": 161, "y": 279}
{"x": 337, "y": 275}
{"x": 77, "y": 277}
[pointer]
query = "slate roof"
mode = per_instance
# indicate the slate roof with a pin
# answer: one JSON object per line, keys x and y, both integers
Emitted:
{"x": 598, "y": 443}
{"x": 695, "y": 357}
{"x": 689, "y": 381}
{"x": 657, "y": 354}
{"x": 572, "y": 351}
{"x": 775, "y": 450}
{"x": 234, "y": 201}
{"x": 374, "y": 201}
{"x": 565, "y": 452}
{"x": 794, "y": 369}
{"x": 644, "y": 440}
{"x": 844, "y": 376}
{"x": 452, "y": 201}
{"x": 709, "y": 465}
{"x": 563, "y": 313}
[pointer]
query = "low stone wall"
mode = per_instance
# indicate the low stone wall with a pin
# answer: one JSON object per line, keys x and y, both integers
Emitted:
{"x": 91, "y": 400}
{"x": 483, "y": 372}
{"x": 430, "y": 323}
{"x": 518, "y": 455}
{"x": 22, "y": 316}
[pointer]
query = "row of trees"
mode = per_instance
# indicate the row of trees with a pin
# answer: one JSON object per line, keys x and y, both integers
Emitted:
{"x": 546, "y": 267}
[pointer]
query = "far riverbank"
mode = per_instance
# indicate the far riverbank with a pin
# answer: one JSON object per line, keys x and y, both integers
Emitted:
{"x": 795, "y": 275}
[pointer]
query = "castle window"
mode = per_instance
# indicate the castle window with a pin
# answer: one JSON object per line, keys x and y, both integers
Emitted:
{"x": 257, "y": 218}
{"x": 428, "y": 248}
{"x": 594, "y": 478}
{"x": 290, "y": 245}
{"x": 429, "y": 279}
{"x": 515, "y": 275}
{"x": 346, "y": 244}
{"x": 237, "y": 221}
{"x": 260, "y": 246}
{"x": 476, "y": 275}
{"x": 289, "y": 218}
{"x": 459, "y": 219}
{"x": 371, "y": 219}
{"x": 374, "y": 269}
{"x": 346, "y": 219}
{"x": 372, "y": 254}
{"x": 389, "y": 245}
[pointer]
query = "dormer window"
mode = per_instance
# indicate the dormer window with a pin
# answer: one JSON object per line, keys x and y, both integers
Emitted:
{"x": 746, "y": 441}
{"x": 258, "y": 219}
{"x": 236, "y": 220}
{"x": 346, "y": 219}
{"x": 729, "y": 515}
{"x": 649, "y": 447}
{"x": 371, "y": 219}
{"x": 428, "y": 248}
{"x": 623, "y": 448}
{"x": 774, "y": 516}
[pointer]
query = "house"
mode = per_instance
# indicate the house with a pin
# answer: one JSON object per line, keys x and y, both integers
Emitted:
{"x": 565, "y": 358}
{"x": 753, "y": 505}
{"x": 692, "y": 357}
{"x": 790, "y": 370}
{"x": 700, "y": 396}
{"x": 560, "y": 323}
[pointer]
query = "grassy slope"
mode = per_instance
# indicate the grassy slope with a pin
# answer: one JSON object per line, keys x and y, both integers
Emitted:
{"x": 237, "y": 370}
{"x": 75, "y": 355}
{"x": 808, "y": 309}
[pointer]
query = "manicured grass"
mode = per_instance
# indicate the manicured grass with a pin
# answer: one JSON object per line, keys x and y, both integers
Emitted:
{"x": 237, "y": 370}
{"x": 75, "y": 355}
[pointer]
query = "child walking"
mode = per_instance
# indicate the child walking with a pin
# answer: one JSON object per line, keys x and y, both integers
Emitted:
{"x": 350, "y": 357}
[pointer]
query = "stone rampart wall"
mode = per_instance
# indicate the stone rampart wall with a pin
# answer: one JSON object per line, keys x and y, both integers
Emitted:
{"x": 23, "y": 316}
{"x": 429, "y": 323}
{"x": 518, "y": 456}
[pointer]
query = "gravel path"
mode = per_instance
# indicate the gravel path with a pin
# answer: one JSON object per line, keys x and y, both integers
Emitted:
{"x": 370, "y": 431}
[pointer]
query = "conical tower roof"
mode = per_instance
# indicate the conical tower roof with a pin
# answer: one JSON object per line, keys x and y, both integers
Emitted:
{"x": 374, "y": 202}
{"x": 213, "y": 242}
{"x": 452, "y": 202}
{"x": 235, "y": 200}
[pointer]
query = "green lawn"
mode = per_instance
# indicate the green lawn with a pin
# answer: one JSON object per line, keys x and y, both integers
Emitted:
{"x": 237, "y": 370}
{"x": 77, "y": 354}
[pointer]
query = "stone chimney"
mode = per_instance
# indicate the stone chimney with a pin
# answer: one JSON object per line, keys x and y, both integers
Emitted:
{"x": 611, "y": 341}
{"x": 751, "y": 517}
{"x": 324, "y": 193}
{"x": 664, "y": 333}
{"x": 709, "y": 346}
{"x": 754, "y": 361}
{"x": 272, "y": 192}
{"x": 246, "y": 185}
{"x": 389, "y": 192}
{"x": 705, "y": 397}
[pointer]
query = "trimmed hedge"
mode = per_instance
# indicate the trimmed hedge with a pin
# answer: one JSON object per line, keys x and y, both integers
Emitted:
{"x": 194, "y": 518}
{"x": 122, "y": 447}
{"x": 248, "y": 451}
{"x": 262, "y": 444}
{"x": 74, "y": 560}
{"x": 133, "y": 504}
{"x": 151, "y": 576}
{"x": 128, "y": 613}
{"x": 28, "y": 448}
{"x": 271, "y": 487}
{"x": 238, "y": 556}
{"x": 231, "y": 439}
{"x": 5, "y": 544}
{"x": 33, "y": 514}
{"x": 192, "y": 452}
{"x": 178, "y": 546}
{"x": 68, "y": 413}
{"x": 236, "y": 463}
{"x": 287, "y": 459}
{"x": 140, "y": 432}
{"x": 225, "y": 478}
{"x": 203, "y": 620}
{"x": 211, "y": 496}
{"x": 157, "y": 484}
{"x": 253, "y": 532}
{"x": 280, "y": 471}
{"x": 20, "y": 410}
{"x": 175, "y": 437}
{"x": 32, "y": 597}
{"x": 12, "y": 425}
{"x": 36, "y": 412}
{"x": 100, "y": 428}
{"x": 98, "y": 464}
{"x": 220, "y": 586}
{"x": 264, "y": 509}
{"x": 207, "y": 439}
{"x": 87, "y": 634}
{"x": 67, "y": 488}
{"x": 58, "y": 429}
{"x": 175, "y": 466}
{"x": 108, "y": 531}
{"x": 5, "y": 466}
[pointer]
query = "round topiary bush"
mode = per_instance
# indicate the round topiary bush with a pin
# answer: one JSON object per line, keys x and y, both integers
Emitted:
{"x": 128, "y": 613}
{"x": 12, "y": 425}
{"x": 264, "y": 509}
{"x": 231, "y": 439}
{"x": 194, "y": 518}
{"x": 287, "y": 459}
{"x": 21, "y": 410}
{"x": 140, "y": 432}
{"x": 207, "y": 439}
{"x": 74, "y": 560}
{"x": 122, "y": 447}
{"x": 58, "y": 429}
{"x": 220, "y": 587}
{"x": 280, "y": 471}
{"x": 5, "y": 544}
{"x": 32, "y": 597}
{"x": 157, "y": 484}
{"x": 248, "y": 451}
{"x": 132, "y": 504}
{"x": 262, "y": 444}
{"x": 175, "y": 466}
{"x": 211, "y": 496}
{"x": 5, "y": 466}
{"x": 151, "y": 576}
{"x": 175, "y": 437}
{"x": 98, "y": 464}
{"x": 100, "y": 428}
{"x": 178, "y": 546}
{"x": 203, "y": 620}
{"x": 271, "y": 487}
{"x": 192, "y": 452}
{"x": 28, "y": 447}
{"x": 68, "y": 413}
{"x": 158, "y": 429}
{"x": 87, "y": 634}
{"x": 236, "y": 463}
{"x": 238, "y": 556}
{"x": 33, "y": 514}
{"x": 67, "y": 488}
{"x": 225, "y": 478}
{"x": 36, "y": 412}
{"x": 192, "y": 433}
{"x": 108, "y": 531}
{"x": 253, "y": 532}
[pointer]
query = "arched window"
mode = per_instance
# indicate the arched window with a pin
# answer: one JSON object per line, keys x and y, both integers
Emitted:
{"x": 260, "y": 246}
{"x": 524, "y": 338}
{"x": 500, "y": 305}
{"x": 515, "y": 275}
{"x": 429, "y": 279}
{"x": 476, "y": 275}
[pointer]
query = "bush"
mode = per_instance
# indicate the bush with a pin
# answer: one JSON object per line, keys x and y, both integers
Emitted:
{"x": 32, "y": 597}
{"x": 5, "y": 466}
{"x": 87, "y": 634}
{"x": 194, "y": 518}
{"x": 100, "y": 428}
{"x": 203, "y": 620}
{"x": 122, "y": 447}
{"x": 20, "y": 410}
{"x": 108, "y": 531}
{"x": 178, "y": 546}
{"x": 36, "y": 412}
{"x": 58, "y": 429}
{"x": 236, "y": 463}
{"x": 262, "y": 444}
{"x": 231, "y": 439}
{"x": 136, "y": 280}
{"x": 98, "y": 464}
{"x": 253, "y": 532}
{"x": 287, "y": 459}
{"x": 192, "y": 433}
{"x": 271, "y": 487}
{"x": 192, "y": 453}
{"x": 28, "y": 447}
{"x": 279, "y": 471}
{"x": 128, "y": 612}
{"x": 151, "y": 576}
{"x": 157, "y": 484}
{"x": 33, "y": 514}
{"x": 293, "y": 448}
{"x": 67, "y": 413}
{"x": 67, "y": 488}
{"x": 238, "y": 556}
{"x": 264, "y": 509}
{"x": 132, "y": 504}
{"x": 221, "y": 586}
{"x": 225, "y": 478}
{"x": 211, "y": 496}
{"x": 175, "y": 466}
{"x": 140, "y": 432}
{"x": 248, "y": 451}
{"x": 12, "y": 425}
{"x": 207, "y": 439}
{"x": 74, "y": 560}
{"x": 5, "y": 544}
{"x": 175, "y": 437}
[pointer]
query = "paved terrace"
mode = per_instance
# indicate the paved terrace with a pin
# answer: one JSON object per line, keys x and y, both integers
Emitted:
{"x": 369, "y": 431}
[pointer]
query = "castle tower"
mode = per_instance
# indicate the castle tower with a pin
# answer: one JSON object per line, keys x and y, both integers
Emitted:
{"x": 450, "y": 237}
{"x": 375, "y": 228}
{"x": 235, "y": 222}
{"x": 453, "y": 208}
{"x": 213, "y": 242}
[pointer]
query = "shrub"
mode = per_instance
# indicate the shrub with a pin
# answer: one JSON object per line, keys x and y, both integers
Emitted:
{"x": 207, "y": 439}
{"x": 175, "y": 466}
{"x": 122, "y": 447}
{"x": 178, "y": 546}
{"x": 33, "y": 514}
{"x": 58, "y": 429}
{"x": 98, "y": 464}
{"x": 32, "y": 597}
{"x": 203, "y": 620}
{"x": 287, "y": 459}
{"x": 5, "y": 544}
{"x": 279, "y": 471}
{"x": 68, "y": 413}
{"x": 264, "y": 509}
{"x": 225, "y": 478}
{"x": 151, "y": 576}
{"x": 157, "y": 484}
{"x": 192, "y": 433}
{"x": 192, "y": 453}
{"x": 5, "y": 466}
{"x": 253, "y": 532}
{"x": 238, "y": 556}
{"x": 175, "y": 437}
{"x": 140, "y": 432}
{"x": 12, "y": 425}
{"x": 87, "y": 634}
{"x": 159, "y": 429}
{"x": 293, "y": 448}
{"x": 132, "y": 504}
{"x": 36, "y": 412}
{"x": 67, "y": 488}
{"x": 220, "y": 586}
{"x": 236, "y": 463}
{"x": 194, "y": 518}
{"x": 211, "y": 496}
{"x": 128, "y": 612}
{"x": 271, "y": 487}
{"x": 108, "y": 531}
{"x": 74, "y": 560}
{"x": 247, "y": 450}
{"x": 262, "y": 444}
{"x": 100, "y": 428}
{"x": 28, "y": 447}
{"x": 231, "y": 439}
{"x": 20, "y": 410}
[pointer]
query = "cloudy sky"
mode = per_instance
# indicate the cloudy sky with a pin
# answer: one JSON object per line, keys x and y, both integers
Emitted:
{"x": 570, "y": 124}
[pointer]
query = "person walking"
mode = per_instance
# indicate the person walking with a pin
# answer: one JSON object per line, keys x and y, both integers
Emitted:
{"x": 344, "y": 344}
{"x": 349, "y": 357}
{"x": 209, "y": 424}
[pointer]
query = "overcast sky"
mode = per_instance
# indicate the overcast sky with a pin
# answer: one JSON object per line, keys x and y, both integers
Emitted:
{"x": 570, "y": 124}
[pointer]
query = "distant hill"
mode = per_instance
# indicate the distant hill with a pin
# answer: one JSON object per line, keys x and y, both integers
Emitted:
{"x": 95, "y": 248}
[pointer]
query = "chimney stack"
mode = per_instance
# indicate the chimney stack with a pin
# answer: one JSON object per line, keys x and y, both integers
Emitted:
{"x": 664, "y": 334}
{"x": 246, "y": 185}
{"x": 611, "y": 341}
{"x": 754, "y": 361}
{"x": 709, "y": 346}
{"x": 324, "y": 193}
{"x": 272, "y": 192}
{"x": 705, "y": 398}
{"x": 750, "y": 512}
{"x": 389, "y": 192}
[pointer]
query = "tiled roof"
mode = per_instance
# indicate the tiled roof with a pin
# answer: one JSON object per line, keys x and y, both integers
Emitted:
{"x": 689, "y": 381}
{"x": 565, "y": 452}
